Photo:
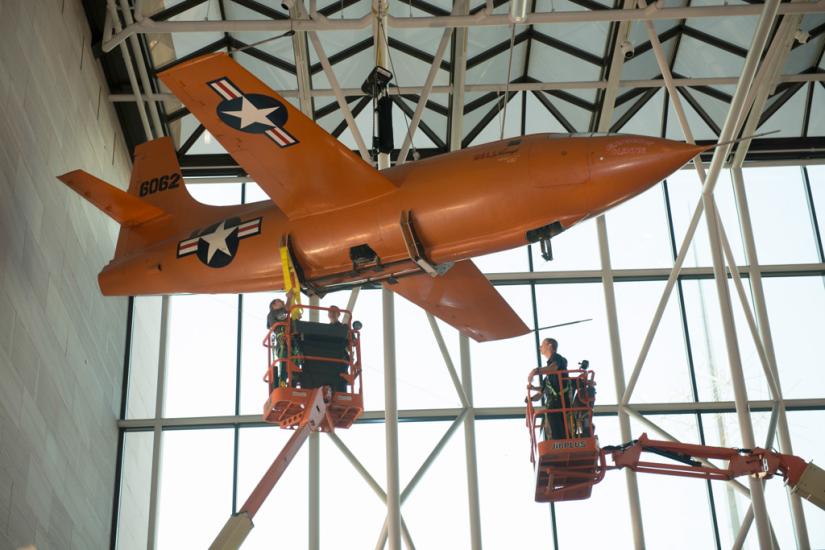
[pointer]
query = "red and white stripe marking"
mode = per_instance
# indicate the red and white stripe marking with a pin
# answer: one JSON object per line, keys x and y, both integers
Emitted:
{"x": 279, "y": 136}
{"x": 247, "y": 229}
{"x": 225, "y": 89}
{"x": 188, "y": 247}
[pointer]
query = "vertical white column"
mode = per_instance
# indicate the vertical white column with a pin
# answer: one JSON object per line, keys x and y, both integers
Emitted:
{"x": 608, "y": 104}
{"x": 758, "y": 294}
{"x": 760, "y": 511}
{"x": 470, "y": 445}
{"x": 314, "y": 469}
{"x": 151, "y": 540}
{"x": 634, "y": 502}
{"x": 391, "y": 422}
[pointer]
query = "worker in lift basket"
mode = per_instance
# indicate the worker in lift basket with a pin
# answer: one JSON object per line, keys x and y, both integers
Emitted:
{"x": 554, "y": 388}
{"x": 278, "y": 313}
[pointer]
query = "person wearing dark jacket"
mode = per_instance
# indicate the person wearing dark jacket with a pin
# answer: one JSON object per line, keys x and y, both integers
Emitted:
{"x": 278, "y": 313}
{"x": 556, "y": 391}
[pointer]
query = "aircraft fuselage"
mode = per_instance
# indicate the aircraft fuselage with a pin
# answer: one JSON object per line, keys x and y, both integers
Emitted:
{"x": 464, "y": 204}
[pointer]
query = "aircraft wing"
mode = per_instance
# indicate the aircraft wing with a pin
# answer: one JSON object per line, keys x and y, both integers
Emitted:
{"x": 465, "y": 299}
{"x": 302, "y": 168}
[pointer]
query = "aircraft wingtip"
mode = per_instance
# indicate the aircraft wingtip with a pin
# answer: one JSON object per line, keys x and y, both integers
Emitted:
{"x": 189, "y": 63}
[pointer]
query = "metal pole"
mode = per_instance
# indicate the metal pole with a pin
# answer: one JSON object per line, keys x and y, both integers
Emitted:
{"x": 448, "y": 361}
{"x": 737, "y": 376}
{"x": 453, "y": 21}
{"x": 514, "y": 87}
{"x": 391, "y": 422}
{"x": 141, "y": 65}
{"x": 382, "y": 539}
{"x": 758, "y": 296}
{"x": 459, "y": 76}
{"x": 314, "y": 467}
{"x": 353, "y": 297}
{"x": 299, "y": 48}
{"x": 376, "y": 488}
{"x": 425, "y": 94}
{"x": 609, "y": 292}
{"x": 130, "y": 71}
{"x": 160, "y": 390}
{"x": 381, "y": 41}
{"x": 339, "y": 96}
{"x": 618, "y": 376}
{"x": 470, "y": 446}
{"x": 780, "y": 48}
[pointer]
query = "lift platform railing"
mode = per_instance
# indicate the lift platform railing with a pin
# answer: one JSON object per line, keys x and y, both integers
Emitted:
{"x": 291, "y": 357}
{"x": 568, "y": 394}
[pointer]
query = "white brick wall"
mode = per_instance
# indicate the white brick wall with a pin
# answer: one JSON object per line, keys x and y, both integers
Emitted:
{"x": 61, "y": 342}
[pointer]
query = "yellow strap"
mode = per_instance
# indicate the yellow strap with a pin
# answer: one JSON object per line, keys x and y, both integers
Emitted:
{"x": 291, "y": 284}
{"x": 285, "y": 267}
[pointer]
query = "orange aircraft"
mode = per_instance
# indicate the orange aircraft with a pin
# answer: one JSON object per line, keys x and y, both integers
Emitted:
{"x": 413, "y": 227}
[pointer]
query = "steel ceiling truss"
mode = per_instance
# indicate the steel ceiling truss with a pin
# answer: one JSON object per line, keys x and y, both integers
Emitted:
{"x": 557, "y": 102}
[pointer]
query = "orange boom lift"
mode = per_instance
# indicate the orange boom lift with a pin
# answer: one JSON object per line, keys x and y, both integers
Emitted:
{"x": 567, "y": 467}
{"x": 319, "y": 389}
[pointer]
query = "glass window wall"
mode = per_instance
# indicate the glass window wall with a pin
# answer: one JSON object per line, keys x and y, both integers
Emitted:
{"x": 207, "y": 464}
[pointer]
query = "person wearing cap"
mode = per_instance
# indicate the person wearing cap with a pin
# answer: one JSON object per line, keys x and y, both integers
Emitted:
{"x": 556, "y": 388}
{"x": 334, "y": 315}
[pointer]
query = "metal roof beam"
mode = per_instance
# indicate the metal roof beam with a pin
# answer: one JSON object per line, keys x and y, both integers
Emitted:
{"x": 714, "y": 41}
{"x": 299, "y": 49}
{"x": 434, "y": 137}
{"x": 566, "y": 48}
{"x": 177, "y": 9}
{"x": 700, "y": 111}
{"x": 455, "y": 123}
{"x": 497, "y": 49}
{"x": 554, "y": 111}
{"x": 356, "y": 110}
{"x": 422, "y": 101}
{"x": 209, "y": 48}
{"x": 339, "y": 96}
{"x": 261, "y": 55}
{"x": 257, "y": 7}
{"x": 412, "y": 51}
{"x": 480, "y": 19}
{"x": 431, "y": 105}
{"x": 530, "y": 85}
{"x": 346, "y": 53}
{"x": 647, "y": 95}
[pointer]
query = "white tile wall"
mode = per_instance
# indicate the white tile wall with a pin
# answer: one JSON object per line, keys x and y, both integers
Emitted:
{"x": 61, "y": 342}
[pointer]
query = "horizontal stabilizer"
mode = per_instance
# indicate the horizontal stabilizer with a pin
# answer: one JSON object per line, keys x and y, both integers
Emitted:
{"x": 128, "y": 210}
{"x": 465, "y": 299}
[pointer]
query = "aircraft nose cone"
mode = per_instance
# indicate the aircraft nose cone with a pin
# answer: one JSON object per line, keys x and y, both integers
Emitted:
{"x": 624, "y": 166}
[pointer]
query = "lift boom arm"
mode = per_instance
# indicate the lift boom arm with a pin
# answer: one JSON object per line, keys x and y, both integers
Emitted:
{"x": 238, "y": 526}
{"x": 805, "y": 479}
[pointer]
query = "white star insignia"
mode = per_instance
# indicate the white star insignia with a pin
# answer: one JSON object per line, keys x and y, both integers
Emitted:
{"x": 217, "y": 240}
{"x": 249, "y": 114}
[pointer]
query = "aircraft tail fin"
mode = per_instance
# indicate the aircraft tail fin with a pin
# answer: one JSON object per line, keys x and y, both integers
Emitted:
{"x": 157, "y": 201}
{"x": 156, "y": 178}
{"x": 124, "y": 208}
